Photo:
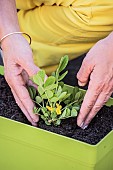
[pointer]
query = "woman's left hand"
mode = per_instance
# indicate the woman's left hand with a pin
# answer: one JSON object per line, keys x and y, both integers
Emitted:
{"x": 98, "y": 66}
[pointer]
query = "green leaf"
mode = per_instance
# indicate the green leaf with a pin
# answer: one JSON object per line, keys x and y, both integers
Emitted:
{"x": 35, "y": 110}
{"x": 63, "y": 115}
{"x": 32, "y": 91}
{"x": 53, "y": 74}
{"x": 57, "y": 122}
{"x": 44, "y": 111}
{"x": 42, "y": 74}
{"x": 45, "y": 114}
{"x": 49, "y": 94}
{"x": 78, "y": 95}
{"x": 73, "y": 93}
{"x": 38, "y": 99}
{"x": 74, "y": 112}
{"x": 44, "y": 96}
{"x": 41, "y": 90}
{"x": 61, "y": 83}
{"x": 68, "y": 112}
{"x": 59, "y": 91}
{"x": 37, "y": 79}
{"x": 51, "y": 87}
{"x": 67, "y": 101}
{"x": 66, "y": 96}
{"x": 63, "y": 64}
{"x": 76, "y": 107}
{"x": 53, "y": 115}
{"x": 62, "y": 96}
{"x": 54, "y": 99}
{"x": 50, "y": 80}
{"x": 1, "y": 70}
{"x": 75, "y": 90}
{"x": 62, "y": 76}
{"x": 38, "y": 110}
{"x": 44, "y": 118}
{"x": 47, "y": 123}
{"x": 81, "y": 97}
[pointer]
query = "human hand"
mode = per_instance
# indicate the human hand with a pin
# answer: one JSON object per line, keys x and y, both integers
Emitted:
{"x": 98, "y": 65}
{"x": 18, "y": 63}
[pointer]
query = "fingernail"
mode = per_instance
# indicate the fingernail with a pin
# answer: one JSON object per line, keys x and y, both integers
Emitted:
{"x": 35, "y": 120}
{"x": 83, "y": 126}
{"x": 81, "y": 84}
{"x": 34, "y": 124}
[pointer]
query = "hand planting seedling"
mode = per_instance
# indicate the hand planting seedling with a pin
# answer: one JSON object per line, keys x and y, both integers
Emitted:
{"x": 53, "y": 100}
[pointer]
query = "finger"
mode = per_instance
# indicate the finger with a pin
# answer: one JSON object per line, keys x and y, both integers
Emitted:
{"x": 88, "y": 102}
{"x": 19, "y": 103}
{"x": 30, "y": 83}
{"x": 102, "y": 99}
{"x": 23, "y": 95}
{"x": 31, "y": 69}
{"x": 25, "y": 76}
{"x": 84, "y": 72}
{"x": 27, "y": 80}
{"x": 29, "y": 66}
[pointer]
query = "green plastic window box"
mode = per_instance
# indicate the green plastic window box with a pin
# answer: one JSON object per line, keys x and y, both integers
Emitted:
{"x": 23, "y": 147}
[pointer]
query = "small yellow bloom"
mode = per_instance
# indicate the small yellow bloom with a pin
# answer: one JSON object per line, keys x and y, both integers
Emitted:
{"x": 58, "y": 109}
{"x": 49, "y": 108}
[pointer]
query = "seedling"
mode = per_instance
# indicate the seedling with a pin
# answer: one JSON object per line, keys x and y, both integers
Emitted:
{"x": 53, "y": 102}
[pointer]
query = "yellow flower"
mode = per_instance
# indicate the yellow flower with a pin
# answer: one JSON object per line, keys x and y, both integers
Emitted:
{"x": 49, "y": 108}
{"x": 58, "y": 109}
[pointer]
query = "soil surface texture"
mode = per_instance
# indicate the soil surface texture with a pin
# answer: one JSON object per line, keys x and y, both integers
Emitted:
{"x": 101, "y": 125}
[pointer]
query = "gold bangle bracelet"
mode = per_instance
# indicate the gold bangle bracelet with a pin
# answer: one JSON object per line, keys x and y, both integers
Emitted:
{"x": 5, "y": 36}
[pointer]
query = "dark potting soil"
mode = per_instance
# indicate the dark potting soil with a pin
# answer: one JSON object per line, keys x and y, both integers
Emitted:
{"x": 101, "y": 125}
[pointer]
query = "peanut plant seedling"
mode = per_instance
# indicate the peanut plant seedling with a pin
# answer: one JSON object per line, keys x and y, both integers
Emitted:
{"x": 52, "y": 101}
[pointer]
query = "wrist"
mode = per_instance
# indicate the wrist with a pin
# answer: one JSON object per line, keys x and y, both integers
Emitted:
{"x": 7, "y": 30}
{"x": 13, "y": 39}
{"x": 109, "y": 39}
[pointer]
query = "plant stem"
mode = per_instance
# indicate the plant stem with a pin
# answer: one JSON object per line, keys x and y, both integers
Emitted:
{"x": 66, "y": 117}
{"x": 37, "y": 103}
{"x": 69, "y": 105}
{"x": 43, "y": 103}
{"x": 47, "y": 98}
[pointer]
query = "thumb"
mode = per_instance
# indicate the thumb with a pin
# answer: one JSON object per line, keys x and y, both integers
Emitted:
{"x": 84, "y": 72}
{"x": 30, "y": 68}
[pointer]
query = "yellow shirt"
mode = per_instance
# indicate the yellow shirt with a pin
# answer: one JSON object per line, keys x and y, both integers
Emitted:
{"x": 59, "y": 27}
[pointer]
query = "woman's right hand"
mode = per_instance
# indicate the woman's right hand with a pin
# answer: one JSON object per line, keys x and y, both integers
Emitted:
{"x": 18, "y": 63}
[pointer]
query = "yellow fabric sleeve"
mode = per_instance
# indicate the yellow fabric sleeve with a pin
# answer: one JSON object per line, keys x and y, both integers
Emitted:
{"x": 59, "y": 27}
{"x": 25, "y": 4}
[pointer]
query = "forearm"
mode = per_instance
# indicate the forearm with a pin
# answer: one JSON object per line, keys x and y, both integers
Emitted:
{"x": 109, "y": 39}
{"x": 8, "y": 17}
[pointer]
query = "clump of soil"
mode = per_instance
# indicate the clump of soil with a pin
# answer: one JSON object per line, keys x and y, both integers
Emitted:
{"x": 101, "y": 125}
